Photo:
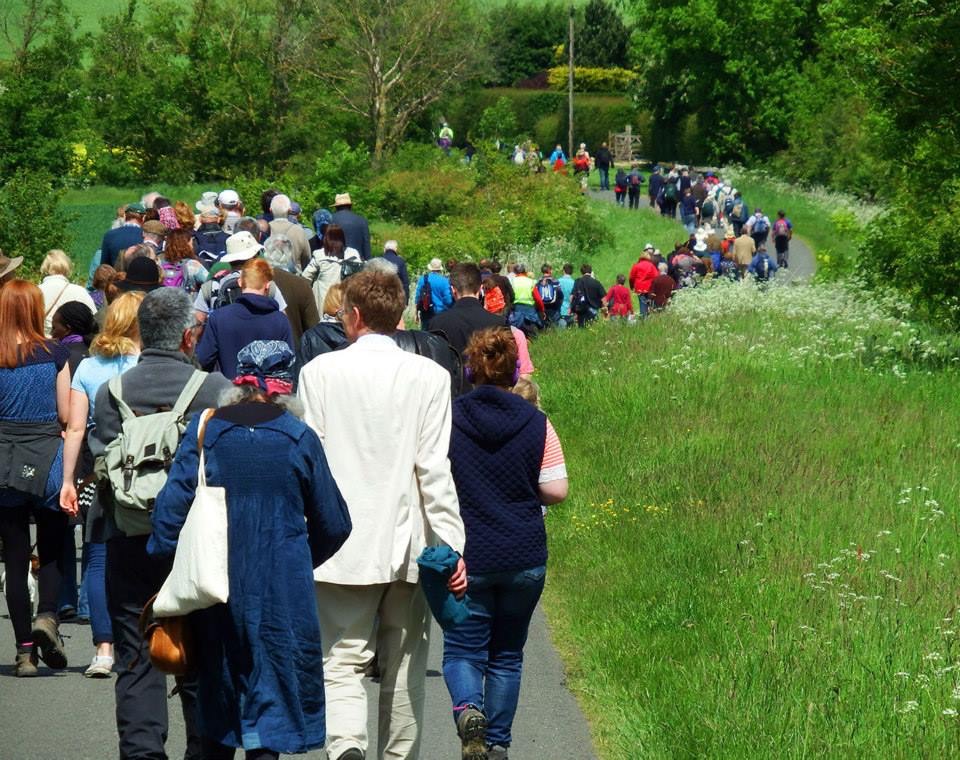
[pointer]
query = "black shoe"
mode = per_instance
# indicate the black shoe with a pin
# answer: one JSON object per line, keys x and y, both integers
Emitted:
{"x": 472, "y": 728}
{"x": 351, "y": 754}
{"x": 46, "y": 638}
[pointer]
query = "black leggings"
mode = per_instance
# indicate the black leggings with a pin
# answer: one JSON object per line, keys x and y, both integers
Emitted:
{"x": 215, "y": 751}
{"x": 15, "y": 532}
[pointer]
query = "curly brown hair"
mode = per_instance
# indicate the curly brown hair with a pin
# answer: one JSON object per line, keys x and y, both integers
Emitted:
{"x": 492, "y": 355}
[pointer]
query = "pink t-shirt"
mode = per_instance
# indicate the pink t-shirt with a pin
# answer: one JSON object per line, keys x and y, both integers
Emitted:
{"x": 523, "y": 351}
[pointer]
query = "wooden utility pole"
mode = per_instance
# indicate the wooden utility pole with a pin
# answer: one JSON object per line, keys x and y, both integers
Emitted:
{"x": 570, "y": 91}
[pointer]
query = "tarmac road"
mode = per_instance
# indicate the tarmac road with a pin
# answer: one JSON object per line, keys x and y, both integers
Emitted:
{"x": 64, "y": 716}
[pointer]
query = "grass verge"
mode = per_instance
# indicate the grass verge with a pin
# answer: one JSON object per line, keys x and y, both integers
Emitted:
{"x": 758, "y": 556}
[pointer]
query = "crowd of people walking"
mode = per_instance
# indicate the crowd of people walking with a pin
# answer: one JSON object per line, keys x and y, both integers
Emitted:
{"x": 375, "y": 477}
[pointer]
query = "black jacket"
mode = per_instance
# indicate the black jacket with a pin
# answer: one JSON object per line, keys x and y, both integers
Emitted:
{"x": 603, "y": 159}
{"x": 462, "y": 320}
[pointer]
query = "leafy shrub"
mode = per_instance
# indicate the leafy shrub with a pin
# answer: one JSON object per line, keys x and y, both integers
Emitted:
{"x": 418, "y": 197}
{"x": 592, "y": 80}
{"x": 31, "y": 220}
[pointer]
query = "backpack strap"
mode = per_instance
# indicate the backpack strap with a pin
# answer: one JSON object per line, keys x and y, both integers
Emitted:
{"x": 189, "y": 392}
{"x": 115, "y": 386}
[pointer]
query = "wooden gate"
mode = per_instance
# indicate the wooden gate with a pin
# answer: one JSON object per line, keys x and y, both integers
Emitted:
{"x": 625, "y": 145}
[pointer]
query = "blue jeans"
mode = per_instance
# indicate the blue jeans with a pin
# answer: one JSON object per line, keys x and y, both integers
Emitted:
{"x": 68, "y": 586}
{"x": 94, "y": 577}
{"x": 483, "y": 657}
{"x": 604, "y": 179}
{"x": 644, "y": 301}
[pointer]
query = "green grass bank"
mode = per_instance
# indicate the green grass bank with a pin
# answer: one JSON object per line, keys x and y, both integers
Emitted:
{"x": 758, "y": 556}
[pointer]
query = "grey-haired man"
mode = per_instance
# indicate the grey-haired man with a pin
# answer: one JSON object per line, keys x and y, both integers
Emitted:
{"x": 168, "y": 335}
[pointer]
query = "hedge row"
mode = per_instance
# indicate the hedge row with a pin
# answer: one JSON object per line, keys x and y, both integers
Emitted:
{"x": 542, "y": 115}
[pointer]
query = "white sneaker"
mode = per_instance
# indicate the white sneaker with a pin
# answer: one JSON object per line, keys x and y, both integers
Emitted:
{"x": 100, "y": 667}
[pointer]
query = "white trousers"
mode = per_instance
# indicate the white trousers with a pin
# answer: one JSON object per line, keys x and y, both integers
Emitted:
{"x": 389, "y": 621}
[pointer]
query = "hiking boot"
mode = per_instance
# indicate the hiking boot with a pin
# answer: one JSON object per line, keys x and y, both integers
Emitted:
{"x": 472, "y": 728}
{"x": 351, "y": 754}
{"x": 496, "y": 752}
{"x": 46, "y": 639}
{"x": 100, "y": 667}
{"x": 25, "y": 666}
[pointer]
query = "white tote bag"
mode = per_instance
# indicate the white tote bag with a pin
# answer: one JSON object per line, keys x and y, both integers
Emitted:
{"x": 199, "y": 576}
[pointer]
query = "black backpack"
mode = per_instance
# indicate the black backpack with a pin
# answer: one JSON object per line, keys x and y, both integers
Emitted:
{"x": 350, "y": 267}
{"x": 425, "y": 304}
{"x": 227, "y": 294}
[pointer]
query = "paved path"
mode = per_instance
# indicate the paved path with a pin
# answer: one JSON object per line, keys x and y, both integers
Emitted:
{"x": 64, "y": 716}
{"x": 803, "y": 264}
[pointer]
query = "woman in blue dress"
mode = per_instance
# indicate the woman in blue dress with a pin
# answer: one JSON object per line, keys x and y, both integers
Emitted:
{"x": 34, "y": 397}
{"x": 260, "y": 663}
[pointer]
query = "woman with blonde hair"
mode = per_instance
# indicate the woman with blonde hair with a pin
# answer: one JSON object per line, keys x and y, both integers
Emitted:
{"x": 112, "y": 352}
{"x": 34, "y": 394}
{"x": 253, "y": 316}
{"x": 327, "y": 335}
{"x": 57, "y": 288}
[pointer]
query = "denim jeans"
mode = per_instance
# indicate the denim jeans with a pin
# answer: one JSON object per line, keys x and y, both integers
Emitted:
{"x": 95, "y": 578}
{"x": 483, "y": 657}
{"x": 68, "y": 586}
{"x": 644, "y": 301}
{"x": 604, "y": 179}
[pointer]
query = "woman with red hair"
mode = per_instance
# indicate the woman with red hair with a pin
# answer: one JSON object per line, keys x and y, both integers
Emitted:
{"x": 34, "y": 399}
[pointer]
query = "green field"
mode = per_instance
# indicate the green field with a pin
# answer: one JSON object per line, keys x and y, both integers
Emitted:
{"x": 758, "y": 557}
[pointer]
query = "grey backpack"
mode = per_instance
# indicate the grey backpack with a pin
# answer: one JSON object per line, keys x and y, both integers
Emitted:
{"x": 137, "y": 461}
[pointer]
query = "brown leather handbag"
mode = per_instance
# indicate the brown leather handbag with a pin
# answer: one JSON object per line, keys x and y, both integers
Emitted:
{"x": 169, "y": 640}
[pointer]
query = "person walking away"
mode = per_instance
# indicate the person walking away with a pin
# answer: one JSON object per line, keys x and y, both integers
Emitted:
{"x": 744, "y": 249}
{"x": 634, "y": 181}
{"x": 254, "y": 316}
{"x": 327, "y": 265}
{"x": 603, "y": 160}
{"x": 259, "y": 659}
{"x": 180, "y": 265}
{"x": 586, "y": 300}
{"x": 550, "y": 294}
{"x": 618, "y": 300}
{"x": 662, "y": 287}
{"x": 280, "y": 207}
{"x": 301, "y": 311}
{"x": 57, "y": 288}
{"x": 355, "y": 227}
{"x": 445, "y": 138}
{"x": 762, "y": 267}
{"x": 620, "y": 186}
{"x": 642, "y": 275}
{"x": 117, "y": 239}
{"x": 433, "y": 295}
{"x": 368, "y": 598}
{"x": 528, "y": 307}
{"x": 688, "y": 211}
{"x": 655, "y": 186}
{"x": 782, "y": 235}
{"x": 391, "y": 253}
{"x": 566, "y": 288}
{"x": 759, "y": 227}
{"x": 739, "y": 212}
{"x": 115, "y": 350}
{"x": 209, "y": 239}
{"x": 507, "y": 461}
{"x": 467, "y": 314}
{"x": 73, "y": 327}
{"x": 163, "y": 376}
{"x": 34, "y": 398}
{"x": 557, "y": 155}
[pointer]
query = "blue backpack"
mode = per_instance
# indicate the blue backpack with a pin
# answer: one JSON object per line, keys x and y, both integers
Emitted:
{"x": 549, "y": 292}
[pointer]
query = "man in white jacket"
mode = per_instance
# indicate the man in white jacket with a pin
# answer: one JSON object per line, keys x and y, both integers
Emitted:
{"x": 384, "y": 418}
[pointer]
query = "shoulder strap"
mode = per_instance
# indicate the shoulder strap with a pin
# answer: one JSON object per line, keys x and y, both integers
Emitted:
{"x": 56, "y": 300}
{"x": 188, "y": 393}
{"x": 201, "y": 433}
{"x": 115, "y": 386}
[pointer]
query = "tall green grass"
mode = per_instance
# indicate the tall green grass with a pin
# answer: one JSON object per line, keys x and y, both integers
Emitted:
{"x": 759, "y": 554}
